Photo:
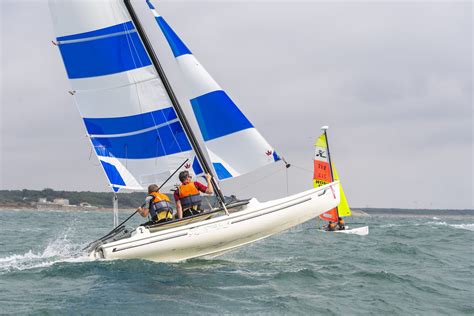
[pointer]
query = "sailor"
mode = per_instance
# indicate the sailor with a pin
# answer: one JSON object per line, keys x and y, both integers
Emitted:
{"x": 158, "y": 206}
{"x": 331, "y": 227}
{"x": 340, "y": 224}
{"x": 188, "y": 197}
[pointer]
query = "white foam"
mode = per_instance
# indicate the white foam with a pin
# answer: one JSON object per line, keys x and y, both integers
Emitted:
{"x": 57, "y": 250}
{"x": 457, "y": 226}
{"x": 463, "y": 226}
{"x": 390, "y": 225}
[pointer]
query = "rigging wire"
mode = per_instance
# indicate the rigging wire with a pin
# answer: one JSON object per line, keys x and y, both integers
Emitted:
{"x": 259, "y": 180}
{"x": 301, "y": 168}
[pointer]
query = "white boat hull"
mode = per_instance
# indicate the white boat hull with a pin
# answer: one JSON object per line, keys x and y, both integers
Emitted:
{"x": 361, "y": 231}
{"x": 217, "y": 235}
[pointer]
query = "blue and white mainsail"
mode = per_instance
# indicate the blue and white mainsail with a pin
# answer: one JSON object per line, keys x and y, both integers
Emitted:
{"x": 234, "y": 146}
{"x": 127, "y": 112}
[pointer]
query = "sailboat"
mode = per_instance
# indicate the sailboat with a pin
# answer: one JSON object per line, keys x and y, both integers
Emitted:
{"x": 325, "y": 172}
{"x": 141, "y": 135}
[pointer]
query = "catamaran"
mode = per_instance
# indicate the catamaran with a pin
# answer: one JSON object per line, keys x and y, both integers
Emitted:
{"x": 141, "y": 135}
{"x": 325, "y": 172}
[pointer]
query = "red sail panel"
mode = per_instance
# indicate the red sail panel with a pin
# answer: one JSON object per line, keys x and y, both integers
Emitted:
{"x": 322, "y": 174}
{"x": 330, "y": 215}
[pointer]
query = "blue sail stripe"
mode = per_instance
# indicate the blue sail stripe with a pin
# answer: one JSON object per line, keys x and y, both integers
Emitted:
{"x": 217, "y": 115}
{"x": 275, "y": 156}
{"x": 163, "y": 141}
{"x": 112, "y": 173}
{"x": 176, "y": 44}
{"x": 221, "y": 171}
{"x": 197, "y": 167}
{"x": 104, "y": 55}
{"x": 127, "y": 124}
{"x": 150, "y": 5}
{"x": 127, "y": 26}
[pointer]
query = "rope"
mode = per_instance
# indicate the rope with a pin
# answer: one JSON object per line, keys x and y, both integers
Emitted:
{"x": 301, "y": 168}
{"x": 259, "y": 180}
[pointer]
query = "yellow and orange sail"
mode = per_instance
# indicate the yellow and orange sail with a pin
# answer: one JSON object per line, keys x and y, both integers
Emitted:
{"x": 322, "y": 176}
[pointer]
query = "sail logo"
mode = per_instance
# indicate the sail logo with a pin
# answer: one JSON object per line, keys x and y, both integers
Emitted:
{"x": 320, "y": 153}
{"x": 187, "y": 166}
{"x": 269, "y": 152}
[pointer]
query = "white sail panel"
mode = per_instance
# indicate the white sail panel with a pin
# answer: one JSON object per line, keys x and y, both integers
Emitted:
{"x": 127, "y": 113}
{"x": 114, "y": 80}
{"x": 247, "y": 143}
{"x": 79, "y": 16}
{"x": 201, "y": 80}
{"x": 223, "y": 126}
{"x": 123, "y": 101}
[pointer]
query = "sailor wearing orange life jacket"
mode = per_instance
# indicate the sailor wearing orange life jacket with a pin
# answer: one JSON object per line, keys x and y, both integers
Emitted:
{"x": 331, "y": 226}
{"x": 341, "y": 225}
{"x": 188, "y": 196}
{"x": 157, "y": 205}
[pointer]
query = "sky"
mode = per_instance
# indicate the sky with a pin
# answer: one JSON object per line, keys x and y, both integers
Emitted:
{"x": 393, "y": 80}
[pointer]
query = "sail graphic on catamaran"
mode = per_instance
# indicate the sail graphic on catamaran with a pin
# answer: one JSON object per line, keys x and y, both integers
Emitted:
{"x": 141, "y": 134}
{"x": 324, "y": 173}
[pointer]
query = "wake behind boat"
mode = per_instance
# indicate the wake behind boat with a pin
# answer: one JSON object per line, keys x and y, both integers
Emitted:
{"x": 141, "y": 135}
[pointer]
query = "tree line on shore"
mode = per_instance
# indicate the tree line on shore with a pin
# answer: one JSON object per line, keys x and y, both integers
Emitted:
{"x": 26, "y": 197}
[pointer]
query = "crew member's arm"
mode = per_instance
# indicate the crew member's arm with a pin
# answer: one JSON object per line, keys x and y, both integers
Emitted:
{"x": 210, "y": 189}
{"x": 179, "y": 209}
{"x": 142, "y": 210}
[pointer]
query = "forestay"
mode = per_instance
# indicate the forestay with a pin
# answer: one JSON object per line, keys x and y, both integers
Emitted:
{"x": 234, "y": 146}
{"x": 127, "y": 113}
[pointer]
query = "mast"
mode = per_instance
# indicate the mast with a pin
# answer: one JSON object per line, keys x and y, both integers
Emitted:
{"x": 179, "y": 111}
{"x": 325, "y": 128}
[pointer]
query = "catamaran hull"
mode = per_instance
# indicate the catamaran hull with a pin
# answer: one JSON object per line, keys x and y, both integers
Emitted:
{"x": 216, "y": 236}
{"x": 361, "y": 231}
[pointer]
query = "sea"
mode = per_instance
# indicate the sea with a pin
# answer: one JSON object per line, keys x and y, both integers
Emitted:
{"x": 407, "y": 265}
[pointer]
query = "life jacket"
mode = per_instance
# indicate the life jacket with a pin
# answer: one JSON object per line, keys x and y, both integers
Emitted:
{"x": 331, "y": 226}
{"x": 341, "y": 224}
{"x": 189, "y": 196}
{"x": 160, "y": 207}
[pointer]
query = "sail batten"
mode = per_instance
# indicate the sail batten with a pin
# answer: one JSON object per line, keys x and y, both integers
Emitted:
{"x": 133, "y": 123}
{"x": 94, "y": 53}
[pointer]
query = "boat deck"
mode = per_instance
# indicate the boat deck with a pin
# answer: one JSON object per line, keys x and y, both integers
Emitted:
{"x": 231, "y": 208}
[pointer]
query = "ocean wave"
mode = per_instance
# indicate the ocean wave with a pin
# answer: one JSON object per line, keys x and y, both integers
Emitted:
{"x": 60, "y": 249}
{"x": 457, "y": 226}
{"x": 390, "y": 225}
{"x": 463, "y": 226}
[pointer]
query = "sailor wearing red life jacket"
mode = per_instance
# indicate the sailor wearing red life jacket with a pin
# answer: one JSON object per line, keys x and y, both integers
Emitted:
{"x": 157, "y": 205}
{"x": 188, "y": 195}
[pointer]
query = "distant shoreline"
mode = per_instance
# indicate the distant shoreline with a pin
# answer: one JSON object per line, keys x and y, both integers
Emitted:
{"x": 355, "y": 212}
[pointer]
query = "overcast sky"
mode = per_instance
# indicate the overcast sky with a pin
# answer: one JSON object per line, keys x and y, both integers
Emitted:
{"x": 393, "y": 80}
